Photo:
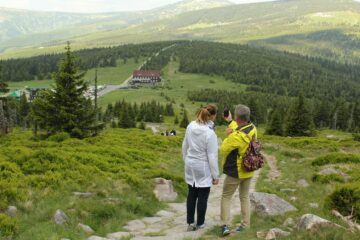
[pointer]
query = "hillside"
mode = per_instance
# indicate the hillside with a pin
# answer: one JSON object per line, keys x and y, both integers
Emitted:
{"x": 294, "y": 25}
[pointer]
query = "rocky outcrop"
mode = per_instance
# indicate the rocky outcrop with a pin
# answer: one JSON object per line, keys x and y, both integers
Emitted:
{"x": 60, "y": 217}
{"x": 302, "y": 183}
{"x": 276, "y": 233}
{"x": 164, "y": 190}
{"x": 118, "y": 235}
{"x": 11, "y": 211}
{"x": 86, "y": 229}
{"x": 267, "y": 204}
{"x": 331, "y": 171}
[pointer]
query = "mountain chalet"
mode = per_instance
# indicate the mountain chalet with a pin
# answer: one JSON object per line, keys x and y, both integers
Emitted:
{"x": 146, "y": 77}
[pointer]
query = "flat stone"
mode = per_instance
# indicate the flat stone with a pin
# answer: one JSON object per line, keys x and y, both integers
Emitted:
{"x": 267, "y": 204}
{"x": 60, "y": 217}
{"x": 135, "y": 225}
{"x": 312, "y": 222}
{"x": 151, "y": 220}
{"x": 163, "y": 213}
{"x": 289, "y": 222}
{"x": 290, "y": 190}
{"x": 178, "y": 207}
{"x": 164, "y": 190}
{"x": 276, "y": 233}
{"x": 97, "y": 238}
{"x": 118, "y": 235}
{"x": 86, "y": 229}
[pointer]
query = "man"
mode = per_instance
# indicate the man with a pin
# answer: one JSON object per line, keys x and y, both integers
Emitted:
{"x": 233, "y": 149}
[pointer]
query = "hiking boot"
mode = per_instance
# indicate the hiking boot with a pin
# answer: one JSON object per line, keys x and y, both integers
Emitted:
{"x": 200, "y": 226}
{"x": 191, "y": 228}
{"x": 225, "y": 230}
{"x": 240, "y": 228}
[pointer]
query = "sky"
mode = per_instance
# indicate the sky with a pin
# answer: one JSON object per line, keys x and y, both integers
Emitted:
{"x": 93, "y": 5}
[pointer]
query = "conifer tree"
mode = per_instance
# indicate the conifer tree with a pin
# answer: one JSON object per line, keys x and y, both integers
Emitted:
{"x": 3, "y": 85}
{"x": 142, "y": 126}
{"x": 3, "y": 119}
{"x": 276, "y": 124}
{"x": 65, "y": 108}
{"x": 24, "y": 109}
{"x": 300, "y": 121}
{"x": 185, "y": 121}
{"x": 176, "y": 121}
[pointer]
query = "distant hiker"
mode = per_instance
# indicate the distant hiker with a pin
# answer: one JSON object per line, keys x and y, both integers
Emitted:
{"x": 233, "y": 149}
{"x": 173, "y": 133}
{"x": 200, "y": 153}
{"x": 167, "y": 133}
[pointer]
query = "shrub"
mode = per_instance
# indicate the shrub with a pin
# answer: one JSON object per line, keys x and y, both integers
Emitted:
{"x": 8, "y": 226}
{"x": 346, "y": 199}
{"x": 292, "y": 154}
{"x": 356, "y": 137}
{"x": 334, "y": 158}
{"x": 327, "y": 178}
{"x": 59, "y": 137}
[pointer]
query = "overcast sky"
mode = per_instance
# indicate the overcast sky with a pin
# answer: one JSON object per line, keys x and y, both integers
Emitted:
{"x": 93, "y": 5}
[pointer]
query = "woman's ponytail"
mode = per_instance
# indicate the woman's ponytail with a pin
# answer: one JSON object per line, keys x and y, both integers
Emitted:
{"x": 204, "y": 114}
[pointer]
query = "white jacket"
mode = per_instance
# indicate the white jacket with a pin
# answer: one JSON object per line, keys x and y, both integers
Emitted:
{"x": 200, "y": 153}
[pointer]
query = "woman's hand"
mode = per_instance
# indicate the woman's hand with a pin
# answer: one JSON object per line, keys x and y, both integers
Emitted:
{"x": 216, "y": 181}
{"x": 229, "y": 131}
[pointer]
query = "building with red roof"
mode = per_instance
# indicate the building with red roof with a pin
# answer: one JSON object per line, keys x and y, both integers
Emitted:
{"x": 146, "y": 77}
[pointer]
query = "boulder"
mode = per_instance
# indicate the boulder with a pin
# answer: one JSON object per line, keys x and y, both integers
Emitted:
{"x": 276, "y": 233}
{"x": 11, "y": 211}
{"x": 311, "y": 222}
{"x": 86, "y": 229}
{"x": 267, "y": 204}
{"x": 135, "y": 226}
{"x": 164, "y": 190}
{"x": 118, "y": 235}
{"x": 60, "y": 217}
{"x": 314, "y": 205}
{"x": 293, "y": 199}
{"x": 330, "y": 171}
{"x": 302, "y": 183}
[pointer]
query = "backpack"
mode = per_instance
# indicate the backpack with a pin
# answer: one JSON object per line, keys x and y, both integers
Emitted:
{"x": 253, "y": 159}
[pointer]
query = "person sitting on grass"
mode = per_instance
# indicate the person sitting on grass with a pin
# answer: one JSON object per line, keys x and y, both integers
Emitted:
{"x": 233, "y": 149}
{"x": 200, "y": 153}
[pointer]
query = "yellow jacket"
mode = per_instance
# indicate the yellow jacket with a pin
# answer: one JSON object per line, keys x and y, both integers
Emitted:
{"x": 234, "y": 148}
{"x": 233, "y": 125}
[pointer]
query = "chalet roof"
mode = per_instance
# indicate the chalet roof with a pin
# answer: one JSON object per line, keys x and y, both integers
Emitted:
{"x": 146, "y": 73}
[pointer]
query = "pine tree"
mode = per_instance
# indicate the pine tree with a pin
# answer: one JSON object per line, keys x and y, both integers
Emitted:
{"x": 176, "y": 121}
{"x": 300, "y": 122}
{"x": 185, "y": 121}
{"x": 3, "y": 120}
{"x": 3, "y": 85}
{"x": 276, "y": 124}
{"x": 65, "y": 108}
{"x": 142, "y": 126}
{"x": 322, "y": 115}
{"x": 126, "y": 121}
{"x": 24, "y": 109}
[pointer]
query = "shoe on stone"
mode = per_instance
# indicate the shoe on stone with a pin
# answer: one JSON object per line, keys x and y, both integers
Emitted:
{"x": 225, "y": 230}
{"x": 191, "y": 228}
{"x": 200, "y": 226}
{"x": 240, "y": 228}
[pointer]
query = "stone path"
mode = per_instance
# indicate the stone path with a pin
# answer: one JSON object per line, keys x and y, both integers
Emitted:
{"x": 170, "y": 223}
{"x": 274, "y": 172}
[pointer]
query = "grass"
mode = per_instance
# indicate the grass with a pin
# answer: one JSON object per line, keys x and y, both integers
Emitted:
{"x": 106, "y": 76}
{"x": 40, "y": 176}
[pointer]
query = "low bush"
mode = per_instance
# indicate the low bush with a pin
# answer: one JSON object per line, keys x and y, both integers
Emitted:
{"x": 327, "y": 178}
{"x": 59, "y": 137}
{"x": 292, "y": 154}
{"x": 346, "y": 199}
{"x": 335, "y": 158}
{"x": 356, "y": 137}
{"x": 8, "y": 226}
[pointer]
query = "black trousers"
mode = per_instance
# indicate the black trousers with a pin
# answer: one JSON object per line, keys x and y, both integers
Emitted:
{"x": 197, "y": 200}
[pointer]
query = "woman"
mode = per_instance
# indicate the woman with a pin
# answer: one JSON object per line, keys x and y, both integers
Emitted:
{"x": 200, "y": 153}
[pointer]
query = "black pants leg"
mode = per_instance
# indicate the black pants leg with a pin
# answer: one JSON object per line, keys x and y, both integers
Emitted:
{"x": 191, "y": 204}
{"x": 203, "y": 196}
{"x": 197, "y": 199}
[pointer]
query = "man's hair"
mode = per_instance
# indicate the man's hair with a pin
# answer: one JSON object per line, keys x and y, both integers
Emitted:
{"x": 242, "y": 112}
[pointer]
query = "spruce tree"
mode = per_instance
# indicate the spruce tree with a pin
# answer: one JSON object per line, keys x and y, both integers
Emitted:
{"x": 276, "y": 124}
{"x": 300, "y": 121}
{"x": 24, "y": 109}
{"x": 142, "y": 126}
{"x": 3, "y": 119}
{"x": 176, "y": 121}
{"x": 185, "y": 121}
{"x": 65, "y": 108}
{"x": 3, "y": 85}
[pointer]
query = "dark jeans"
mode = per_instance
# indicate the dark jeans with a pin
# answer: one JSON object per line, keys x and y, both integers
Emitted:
{"x": 197, "y": 199}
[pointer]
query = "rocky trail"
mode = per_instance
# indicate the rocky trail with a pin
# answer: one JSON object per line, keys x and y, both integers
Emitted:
{"x": 274, "y": 171}
{"x": 170, "y": 223}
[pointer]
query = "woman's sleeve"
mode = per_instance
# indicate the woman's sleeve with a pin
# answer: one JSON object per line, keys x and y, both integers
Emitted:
{"x": 185, "y": 146}
{"x": 212, "y": 153}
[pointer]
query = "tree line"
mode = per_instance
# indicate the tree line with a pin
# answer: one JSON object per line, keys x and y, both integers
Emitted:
{"x": 292, "y": 116}
{"x": 126, "y": 115}
{"x": 42, "y": 67}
